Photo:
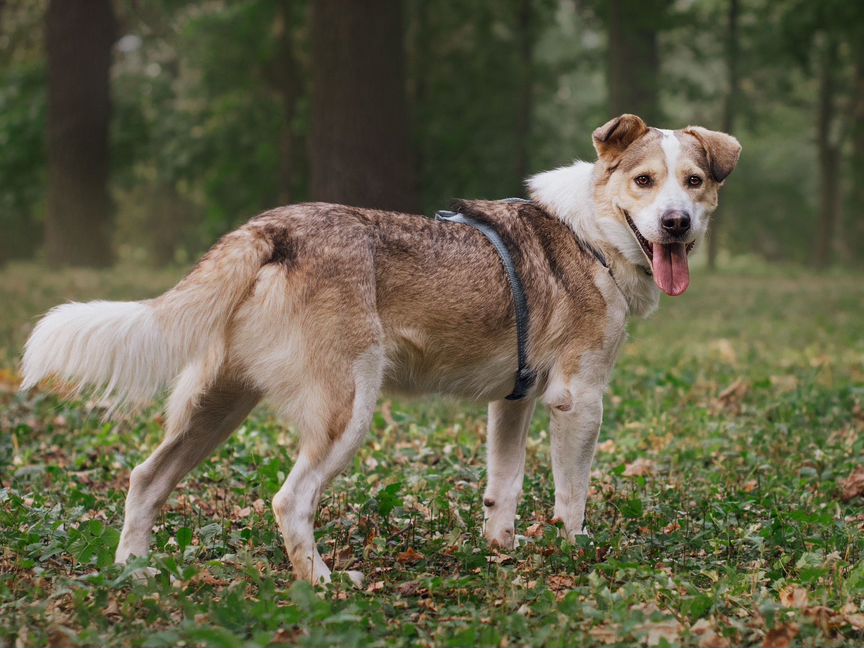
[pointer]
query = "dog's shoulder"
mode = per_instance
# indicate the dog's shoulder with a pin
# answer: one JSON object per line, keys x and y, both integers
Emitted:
{"x": 538, "y": 241}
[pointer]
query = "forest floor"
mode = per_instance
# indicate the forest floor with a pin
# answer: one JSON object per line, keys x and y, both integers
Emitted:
{"x": 732, "y": 424}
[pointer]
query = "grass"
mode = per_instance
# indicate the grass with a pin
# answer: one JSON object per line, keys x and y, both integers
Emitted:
{"x": 716, "y": 513}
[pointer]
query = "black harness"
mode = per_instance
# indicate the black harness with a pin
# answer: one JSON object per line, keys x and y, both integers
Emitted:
{"x": 525, "y": 376}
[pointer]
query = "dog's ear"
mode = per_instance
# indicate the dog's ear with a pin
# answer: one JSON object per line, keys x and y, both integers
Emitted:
{"x": 617, "y": 134}
{"x": 722, "y": 150}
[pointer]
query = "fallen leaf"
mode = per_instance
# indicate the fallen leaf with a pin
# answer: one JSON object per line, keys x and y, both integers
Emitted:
{"x": 410, "y": 557}
{"x": 793, "y": 596}
{"x": 784, "y": 384}
{"x": 853, "y": 485}
{"x": 781, "y": 636}
{"x": 607, "y": 446}
{"x": 608, "y": 634}
{"x": 730, "y": 398}
{"x": 723, "y": 348}
{"x": 710, "y": 639}
{"x": 672, "y": 527}
{"x": 640, "y": 468}
{"x": 660, "y": 630}
{"x": 536, "y": 530}
{"x": 377, "y": 586}
{"x": 855, "y": 620}
{"x": 560, "y": 583}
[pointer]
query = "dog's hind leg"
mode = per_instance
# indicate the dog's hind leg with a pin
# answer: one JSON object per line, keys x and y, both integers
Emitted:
{"x": 211, "y": 418}
{"x": 508, "y": 425}
{"x": 345, "y": 408}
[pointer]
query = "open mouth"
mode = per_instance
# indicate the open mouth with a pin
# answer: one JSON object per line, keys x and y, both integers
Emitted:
{"x": 667, "y": 260}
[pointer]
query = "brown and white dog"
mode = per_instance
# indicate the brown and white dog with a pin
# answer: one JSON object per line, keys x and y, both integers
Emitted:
{"x": 319, "y": 307}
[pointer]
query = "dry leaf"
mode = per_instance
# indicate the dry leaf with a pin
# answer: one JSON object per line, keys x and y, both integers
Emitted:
{"x": 410, "y": 557}
{"x": 672, "y": 527}
{"x": 793, "y": 596}
{"x": 724, "y": 349}
{"x": 853, "y": 485}
{"x": 560, "y": 583}
{"x": 785, "y": 383}
{"x": 536, "y": 530}
{"x": 608, "y": 634}
{"x": 639, "y": 468}
{"x": 781, "y": 636}
{"x": 377, "y": 586}
{"x": 657, "y": 631}
{"x": 730, "y": 398}
{"x": 711, "y": 639}
{"x": 855, "y": 620}
{"x": 708, "y": 638}
{"x": 606, "y": 446}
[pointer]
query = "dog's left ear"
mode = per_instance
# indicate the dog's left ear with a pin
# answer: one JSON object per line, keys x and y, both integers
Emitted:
{"x": 723, "y": 150}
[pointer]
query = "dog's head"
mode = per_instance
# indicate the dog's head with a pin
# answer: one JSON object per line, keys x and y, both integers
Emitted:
{"x": 659, "y": 187}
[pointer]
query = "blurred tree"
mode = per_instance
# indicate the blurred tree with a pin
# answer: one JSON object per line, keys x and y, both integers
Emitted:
{"x": 633, "y": 64}
{"x": 79, "y": 35}
{"x": 22, "y": 129}
{"x": 289, "y": 80}
{"x": 527, "y": 35}
{"x": 829, "y": 155}
{"x": 730, "y": 105}
{"x": 855, "y": 205}
{"x": 359, "y": 146}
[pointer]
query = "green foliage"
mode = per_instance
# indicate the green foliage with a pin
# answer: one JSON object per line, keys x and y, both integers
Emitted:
{"x": 731, "y": 420}
{"x": 22, "y": 158}
{"x": 199, "y": 123}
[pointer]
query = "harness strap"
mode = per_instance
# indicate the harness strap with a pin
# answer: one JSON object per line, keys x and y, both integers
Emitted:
{"x": 525, "y": 377}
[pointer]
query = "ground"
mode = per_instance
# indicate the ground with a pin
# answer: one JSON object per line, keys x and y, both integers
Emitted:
{"x": 717, "y": 510}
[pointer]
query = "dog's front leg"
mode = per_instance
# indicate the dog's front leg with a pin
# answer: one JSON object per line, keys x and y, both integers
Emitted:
{"x": 574, "y": 438}
{"x": 508, "y": 425}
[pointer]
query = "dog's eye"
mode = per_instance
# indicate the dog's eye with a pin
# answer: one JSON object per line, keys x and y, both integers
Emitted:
{"x": 694, "y": 181}
{"x": 643, "y": 180}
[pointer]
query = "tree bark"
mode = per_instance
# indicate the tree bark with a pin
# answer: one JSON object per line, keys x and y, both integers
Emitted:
{"x": 78, "y": 37}
{"x": 730, "y": 105}
{"x": 855, "y": 210}
{"x": 633, "y": 64}
{"x": 289, "y": 82}
{"x": 829, "y": 186}
{"x": 359, "y": 147}
{"x": 527, "y": 40}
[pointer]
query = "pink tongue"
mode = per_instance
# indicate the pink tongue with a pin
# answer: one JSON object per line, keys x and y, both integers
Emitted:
{"x": 671, "y": 273}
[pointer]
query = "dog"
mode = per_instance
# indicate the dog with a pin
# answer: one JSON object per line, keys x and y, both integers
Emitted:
{"x": 318, "y": 307}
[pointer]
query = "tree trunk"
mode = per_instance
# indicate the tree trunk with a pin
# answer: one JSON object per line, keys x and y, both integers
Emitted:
{"x": 633, "y": 64}
{"x": 289, "y": 83}
{"x": 78, "y": 37}
{"x": 828, "y": 159}
{"x": 855, "y": 210}
{"x": 526, "y": 31}
{"x": 359, "y": 148}
{"x": 729, "y": 111}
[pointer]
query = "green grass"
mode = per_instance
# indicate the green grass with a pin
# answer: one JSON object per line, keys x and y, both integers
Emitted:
{"x": 738, "y": 406}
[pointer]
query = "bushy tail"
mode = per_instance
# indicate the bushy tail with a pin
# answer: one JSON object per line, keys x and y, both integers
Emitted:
{"x": 134, "y": 349}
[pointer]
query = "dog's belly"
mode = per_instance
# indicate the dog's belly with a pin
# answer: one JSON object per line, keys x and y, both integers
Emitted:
{"x": 418, "y": 364}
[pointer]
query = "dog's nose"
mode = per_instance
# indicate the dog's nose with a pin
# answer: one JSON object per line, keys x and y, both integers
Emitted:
{"x": 676, "y": 222}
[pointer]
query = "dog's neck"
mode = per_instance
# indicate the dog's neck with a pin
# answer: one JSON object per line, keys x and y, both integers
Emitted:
{"x": 568, "y": 194}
